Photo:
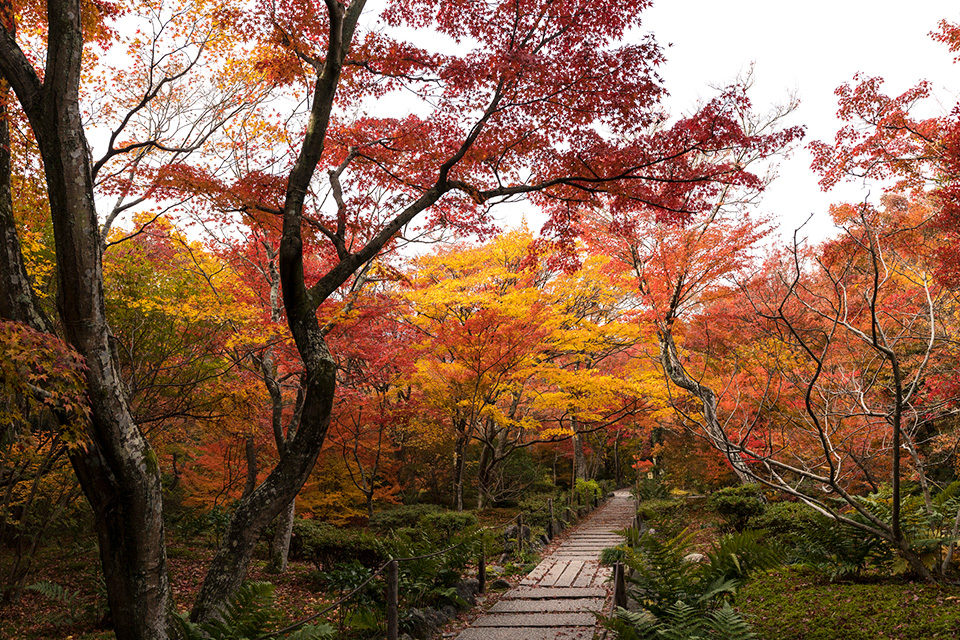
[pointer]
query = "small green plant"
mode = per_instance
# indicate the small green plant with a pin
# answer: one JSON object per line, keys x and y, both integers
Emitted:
{"x": 837, "y": 550}
{"x": 586, "y": 491}
{"x": 51, "y": 591}
{"x": 611, "y": 555}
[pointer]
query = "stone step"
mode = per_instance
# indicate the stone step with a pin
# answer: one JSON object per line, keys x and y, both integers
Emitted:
{"x": 536, "y": 620}
{"x": 552, "y": 593}
{"x": 556, "y": 605}
{"x": 527, "y": 633}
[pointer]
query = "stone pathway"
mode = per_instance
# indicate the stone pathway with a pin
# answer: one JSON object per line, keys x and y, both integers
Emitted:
{"x": 557, "y": 599}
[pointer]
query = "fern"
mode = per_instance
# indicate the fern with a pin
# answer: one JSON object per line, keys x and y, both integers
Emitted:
{"x": 736, "y": 555}
{"x": 687, "y": 601}
{"x": 50, "y": 590}
{"x": 837, "y": 550}
{"x": 727, "y": 623}
{"x": 681, "y": 622}
{"x": 249, "y": 615}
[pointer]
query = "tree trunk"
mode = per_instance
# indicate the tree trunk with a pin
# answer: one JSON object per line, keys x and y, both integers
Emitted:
{"x": 256, "y": 511}
{"x": 319, "y": 382}
{"x": 17, "y": 299}
{"x": 250, "y": 452}
{"x": 118, "y": 470}
{"x": 484, "y": 469}
{"x": 708, "y": 399}
{"x": 579, "y": 459}
{"x": 458, "y": 455}
{"x": 280, "y": 542}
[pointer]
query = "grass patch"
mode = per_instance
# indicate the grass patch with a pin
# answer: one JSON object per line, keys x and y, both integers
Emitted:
{"x": 795, "y": 604}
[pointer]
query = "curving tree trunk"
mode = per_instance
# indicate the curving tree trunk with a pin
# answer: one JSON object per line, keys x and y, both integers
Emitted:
{"x": 708, "y": 399}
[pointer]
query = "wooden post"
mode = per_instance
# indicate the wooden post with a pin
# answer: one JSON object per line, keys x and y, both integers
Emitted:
{"x": 552, "y": 526}
{"x": 619, "y": 586}
{"x": 393, "y": 597}
{"x": 482, "y": 570}
{"x": 520, "y": 532}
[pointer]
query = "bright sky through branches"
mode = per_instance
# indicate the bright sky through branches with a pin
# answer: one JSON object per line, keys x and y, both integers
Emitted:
{"x": 808, "y": 49}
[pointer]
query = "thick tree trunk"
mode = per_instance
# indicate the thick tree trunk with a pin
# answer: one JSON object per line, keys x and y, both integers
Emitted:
{"x": 119, "y": 472}
{"x": 280, "y": 542}
{"x": 117, "y": 468}
{"x": 256, "y": 511}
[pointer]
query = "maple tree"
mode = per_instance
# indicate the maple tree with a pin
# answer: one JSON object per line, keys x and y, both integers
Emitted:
{"x": 513, "y": 354}
{"x": 885, "y": 140}
{"x": 373, "y": 404}
{"x": 516, "y": 115}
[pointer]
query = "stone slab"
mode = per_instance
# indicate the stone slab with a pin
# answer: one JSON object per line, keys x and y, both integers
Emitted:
{"x": 564, "y": 605}
{"x": 527, "y": 633}
{"x": 552, "y": 593}
{"x": 555, "y": 572}
{"x": 536, "y": 620}
{"x": 566, "y": 578}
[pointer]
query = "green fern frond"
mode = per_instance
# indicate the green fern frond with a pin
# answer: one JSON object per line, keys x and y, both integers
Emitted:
{"x": 50, "y": 590}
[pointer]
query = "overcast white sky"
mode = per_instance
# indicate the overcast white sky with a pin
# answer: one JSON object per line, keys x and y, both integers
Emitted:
{"x": 808, "y": 48}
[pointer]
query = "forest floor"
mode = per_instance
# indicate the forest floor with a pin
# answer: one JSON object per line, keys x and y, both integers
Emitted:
{"x": 79, "y": 613}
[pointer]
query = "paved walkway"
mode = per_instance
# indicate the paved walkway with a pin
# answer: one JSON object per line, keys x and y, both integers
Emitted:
{"x": 558, "y": 598}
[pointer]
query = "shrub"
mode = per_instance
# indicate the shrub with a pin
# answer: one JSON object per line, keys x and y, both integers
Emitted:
{"x": 736, "y": 555}
{"x": 652, "y": 489}
{"x": 736, "y": 505}
{"x": 447, "y": 523}
{"x": 407, "y": 515}
{"x": 427, "y": 580}
{"x": 326, "y": 545}
{"x": 786, "y": 522}
{"x": 536, "y": 509}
